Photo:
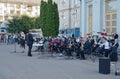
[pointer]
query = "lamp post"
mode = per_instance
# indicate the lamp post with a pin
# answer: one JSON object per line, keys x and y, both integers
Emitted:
{"x": 63, "y": 16}
{"x": 69, "y": 30}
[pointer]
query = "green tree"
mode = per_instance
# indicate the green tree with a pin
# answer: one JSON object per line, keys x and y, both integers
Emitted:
{"x": 18, "y": 24}
{"x": 14, "y": 25}
{"x": 56, "y": 19}
{"x": 49, "y": 18}
{"x": 43, "y": 13}
{"x": 37, "y": 23}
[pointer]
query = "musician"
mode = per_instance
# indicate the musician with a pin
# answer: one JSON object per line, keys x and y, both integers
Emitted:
{"x": 70, "y": 43}
{"x": 106, "y": 46}
{"x": 93, "y": 43}
{"x": 104, "y": 33}
{"x": 87, "y": 46}
{"x": 77, "y": 46}
{"x": 113, "y": 50}
{"x": 115, "y": 36}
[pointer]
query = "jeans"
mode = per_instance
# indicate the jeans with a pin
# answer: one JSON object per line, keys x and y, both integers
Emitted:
{"x": 29, "y": 50}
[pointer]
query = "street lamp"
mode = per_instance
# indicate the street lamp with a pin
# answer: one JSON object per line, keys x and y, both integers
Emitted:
{"x": 69, "y": 30}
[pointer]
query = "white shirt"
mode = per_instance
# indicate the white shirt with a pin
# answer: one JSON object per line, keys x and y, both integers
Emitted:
{"x": 106, "y": 45}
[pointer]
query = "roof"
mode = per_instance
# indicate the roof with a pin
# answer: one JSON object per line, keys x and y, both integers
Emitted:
{"x": 29, "y": 2}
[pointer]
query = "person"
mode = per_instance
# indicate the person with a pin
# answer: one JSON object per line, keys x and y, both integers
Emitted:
{"x": 113, "y": 50}
{"x": 30, "y": 40}
{"x": 104, "y": 33}
{"x": 115, "y": 36}
{"x": 87, "y": 46}
{"x": 22, "y": 44}
{"x": 106, "y": 46}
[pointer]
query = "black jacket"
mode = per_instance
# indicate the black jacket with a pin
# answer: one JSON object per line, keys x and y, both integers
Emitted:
{"x": 29, "y": 39}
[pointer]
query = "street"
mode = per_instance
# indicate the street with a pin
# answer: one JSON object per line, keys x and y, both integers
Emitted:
{"x": 20, "y": 66}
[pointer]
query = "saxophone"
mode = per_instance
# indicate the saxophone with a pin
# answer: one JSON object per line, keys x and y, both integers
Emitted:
{"x": 81, "y": 47}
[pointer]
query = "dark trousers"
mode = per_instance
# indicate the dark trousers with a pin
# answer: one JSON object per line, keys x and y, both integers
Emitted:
{"x": 106, "y": 52}
{"x": 82, "y": 54}
{"x": 29, "y": 50}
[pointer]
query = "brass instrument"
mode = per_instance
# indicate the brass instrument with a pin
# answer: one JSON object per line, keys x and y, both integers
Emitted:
{"x": 81, "y": 47}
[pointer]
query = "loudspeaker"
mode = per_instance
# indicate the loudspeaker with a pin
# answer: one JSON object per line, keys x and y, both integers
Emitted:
{"x": 104, "y": 65}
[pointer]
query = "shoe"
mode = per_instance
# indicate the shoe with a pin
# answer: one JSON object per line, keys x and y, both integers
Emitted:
{"x": 82, "y": 58}
{"x": 23, "y": 52}
{"x": 30, "y": 55}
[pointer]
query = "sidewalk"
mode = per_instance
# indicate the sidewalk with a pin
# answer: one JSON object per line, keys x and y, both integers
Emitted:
{"x": 19, "y": 66}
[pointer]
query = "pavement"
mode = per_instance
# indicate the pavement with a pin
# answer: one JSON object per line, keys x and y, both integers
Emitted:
{"x": 20, "y": 66}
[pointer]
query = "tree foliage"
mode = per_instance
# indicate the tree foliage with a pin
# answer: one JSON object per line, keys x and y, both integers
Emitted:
{"x": 49, "y": 18}
{"x": 18, "y": 24}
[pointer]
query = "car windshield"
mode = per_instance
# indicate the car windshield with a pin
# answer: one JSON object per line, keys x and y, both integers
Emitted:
{"x": 35, "y": 35}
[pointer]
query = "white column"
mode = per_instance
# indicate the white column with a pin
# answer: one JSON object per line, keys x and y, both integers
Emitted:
{"x": 98, "y": 16}
{"x": 83, "y": 18}
{"x": 118, "y": 17}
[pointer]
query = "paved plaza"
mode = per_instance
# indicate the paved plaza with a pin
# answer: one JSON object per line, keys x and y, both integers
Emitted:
{"x": 20, "y": 66}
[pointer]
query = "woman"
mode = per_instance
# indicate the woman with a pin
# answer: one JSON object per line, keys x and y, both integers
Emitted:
{"x": 113, "y": 54}
{"x": 22, "y": 44}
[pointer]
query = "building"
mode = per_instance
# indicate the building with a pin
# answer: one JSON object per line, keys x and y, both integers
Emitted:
{"x": 77, "y": 17}
{"x": 69, "y": 14}
{"x": 10, "y": 8}
{"x": 90, "y": 16}
{"x": 99, "y": 14}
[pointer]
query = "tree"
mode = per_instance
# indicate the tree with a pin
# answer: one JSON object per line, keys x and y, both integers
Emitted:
{"x": 43, "y": 13}
{"x": 56, "y": 19}
{"x": 49, "y": 18}
{"x": 18, "y": 24}
{"x": 14, "y": 25}
{"x": 37, "y": 23}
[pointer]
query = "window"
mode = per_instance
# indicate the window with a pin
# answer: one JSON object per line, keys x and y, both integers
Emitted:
{"x": 11, "y": 11}
{"x": 108, "y": 23}
{"x": 90, "y": 18}
{"x": 107, "y": 17}
{"x": 1, "y": 18}
{"x": 18, "y": 12}
{"x": 114, "y": 16}
{"x": 114, "y": 23}
{"x": 2, "y": 30}
{"x": 18, "y": 6}
{"x": 108, "y": 30}
{"x": 75, "y": 2}
{"x": 111, "y": 18}
{"x": 63, "y": 2}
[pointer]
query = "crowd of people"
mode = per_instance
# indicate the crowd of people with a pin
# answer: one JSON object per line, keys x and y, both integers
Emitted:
{"x": 80, "y": 47}
{"x": 102, "y": 46}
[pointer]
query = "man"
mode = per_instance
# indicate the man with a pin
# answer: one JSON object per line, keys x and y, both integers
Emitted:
{"x": 29, "y": 43}
{"x": 115, "y": 36}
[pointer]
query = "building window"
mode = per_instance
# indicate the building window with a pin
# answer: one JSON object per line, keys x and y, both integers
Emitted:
{"x": 108, "y": 23}
{"x": 18, "y": 6}
{"x": 114, "y": 23}
{"x": 11, "y": 11}
{"x": 114, "y": 16}
{"x": 18, "y": 12}
{"x": 111, "y": 18}
{"x": 1, "y": 18}
{"x": 75, "y": 2}
{"x": 108, "y": 30}
{"x": 90, "y": 18}
{"x": 107, "y": 17}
